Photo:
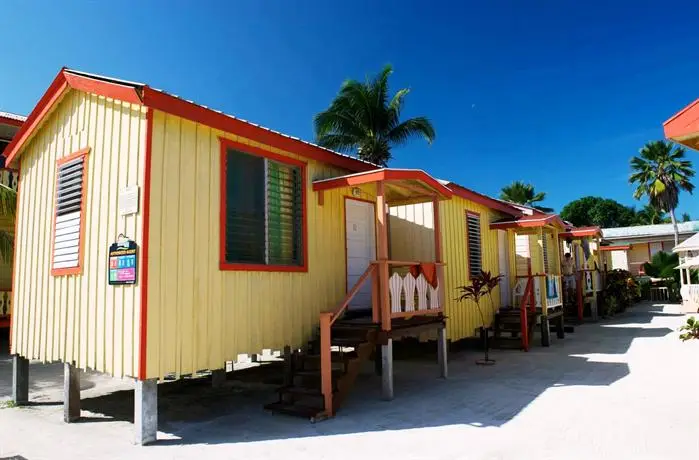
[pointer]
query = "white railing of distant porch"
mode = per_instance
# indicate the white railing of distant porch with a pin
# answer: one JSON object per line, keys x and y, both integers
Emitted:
{"x": 551, "y": 294}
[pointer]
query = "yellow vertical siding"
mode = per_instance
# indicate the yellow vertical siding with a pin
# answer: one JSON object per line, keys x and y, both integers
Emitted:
{"x": 79, "y": 318}
{"x": 637, "y": 256}
{"x": 463, "y": 318}
{"x": 411, "y": 230}
{"x": 199, "y": 316}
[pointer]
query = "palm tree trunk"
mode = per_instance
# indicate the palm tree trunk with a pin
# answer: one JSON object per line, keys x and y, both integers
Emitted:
{"x": 674, "y": 226}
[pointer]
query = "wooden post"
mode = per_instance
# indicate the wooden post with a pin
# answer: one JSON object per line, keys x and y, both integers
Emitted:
{"x": 382, "y": 240}
{"x": 442, "y": 351}
{"x": 375, "y": 300}
{"x": 579, "y": 291}
{"x": 438, "y": 251}
{"x": 326, "y": 363}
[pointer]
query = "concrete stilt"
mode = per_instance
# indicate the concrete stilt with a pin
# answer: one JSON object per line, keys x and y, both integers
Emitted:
{"x": 377, "y": 360}
{"x": 146, "y": 411}
{"x": 387, "y": 370}
{"x": 442, "y": 352}
{"x": 545, "y": 332}
{"x": 20, "y": 380}
{"x": 218, "y": 378}
{"x": 71, "y": 393}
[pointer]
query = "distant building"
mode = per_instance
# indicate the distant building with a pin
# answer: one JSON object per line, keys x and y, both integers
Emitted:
{"x": 9, "y": 125}
{"x": 628, "y": 248}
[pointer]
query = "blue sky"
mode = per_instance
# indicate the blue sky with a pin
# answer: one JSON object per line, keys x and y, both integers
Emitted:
{"x": 557, "y": 93}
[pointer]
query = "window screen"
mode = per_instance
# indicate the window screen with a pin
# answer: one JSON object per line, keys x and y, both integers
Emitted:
{"x": 69, "y": 213}
{"x": 264, "y": 200}
{"x": 473, "y": 234}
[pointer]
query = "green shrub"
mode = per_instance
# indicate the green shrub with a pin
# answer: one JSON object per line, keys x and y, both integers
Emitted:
{"x": 690, "y": 329}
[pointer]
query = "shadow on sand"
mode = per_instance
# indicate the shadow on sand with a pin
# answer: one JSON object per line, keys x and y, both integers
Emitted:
{"x": 192, "y": 412}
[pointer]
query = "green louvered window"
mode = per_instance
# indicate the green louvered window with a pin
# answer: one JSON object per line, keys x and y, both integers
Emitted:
{"x": 264, "y": 201}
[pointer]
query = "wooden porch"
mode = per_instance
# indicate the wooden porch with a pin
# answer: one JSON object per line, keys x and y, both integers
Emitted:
{"x": 537, "y": 287}
{"x": 406, "y": 299}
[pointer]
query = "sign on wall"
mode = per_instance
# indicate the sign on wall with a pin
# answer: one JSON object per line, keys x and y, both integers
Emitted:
{"x": 123, "y": 262}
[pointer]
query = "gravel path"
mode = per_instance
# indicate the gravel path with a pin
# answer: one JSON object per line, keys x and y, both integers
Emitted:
{"x": 620, "y": 389}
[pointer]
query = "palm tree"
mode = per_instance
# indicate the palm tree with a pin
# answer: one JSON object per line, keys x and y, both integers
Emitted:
{"x": 686, "y": 217}
{"x": 521, "y": 193}
{"x": 660, "y": 172}
{"x": 361, "y": 119}
{"x": 650, "y": 215}
{"x": 8, "y": 204}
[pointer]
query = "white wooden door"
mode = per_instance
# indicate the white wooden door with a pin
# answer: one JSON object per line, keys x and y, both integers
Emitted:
{"x": 361, "y": 248}
{"x": 504, "y": 264}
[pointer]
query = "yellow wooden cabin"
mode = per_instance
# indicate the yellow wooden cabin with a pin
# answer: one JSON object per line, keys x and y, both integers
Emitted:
{"x": 480, "y": 233}
{"x": 584, "y": 246}
{"x": 156, "y": 236}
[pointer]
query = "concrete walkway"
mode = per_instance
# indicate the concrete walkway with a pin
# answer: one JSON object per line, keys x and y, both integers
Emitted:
{"x": 618, "y": 389}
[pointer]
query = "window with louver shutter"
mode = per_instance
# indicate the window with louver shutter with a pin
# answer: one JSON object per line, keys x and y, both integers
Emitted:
{"x": 69, "y": 219}
{"x": 263, "y": 222}
{"x": 473, "y": 238}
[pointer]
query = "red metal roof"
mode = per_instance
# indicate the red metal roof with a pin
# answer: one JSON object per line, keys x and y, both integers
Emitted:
{"x": 139, "y": 93}
{"x": 384, "y": 174}
{"x": 684, "y": 123}
{"x": 581, "y": 231}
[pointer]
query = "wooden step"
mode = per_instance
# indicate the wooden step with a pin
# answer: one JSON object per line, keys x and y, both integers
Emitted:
{"x": 298, "y": 390}
{"x": 313, "y": 413}
{"x": 336, "y": 356}
{"x": 336, "y": 373}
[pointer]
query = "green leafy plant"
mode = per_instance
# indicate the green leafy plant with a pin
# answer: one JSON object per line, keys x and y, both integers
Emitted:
{"x": 363, "y": 119}
{"x": 7, "y": 404}
{"x": 690, "y": 329}
{"x": 479, "y": 287}
{"x": 623, "y": 288}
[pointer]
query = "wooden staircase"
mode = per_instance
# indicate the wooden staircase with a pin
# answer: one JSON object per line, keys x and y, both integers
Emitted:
{"x": 352, "y": 344}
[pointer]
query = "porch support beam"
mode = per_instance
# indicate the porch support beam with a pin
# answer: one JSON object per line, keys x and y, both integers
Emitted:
{"x": 442, "y": 351}
{"x": 387, "y": 371}
{"x": 382, "y": 252}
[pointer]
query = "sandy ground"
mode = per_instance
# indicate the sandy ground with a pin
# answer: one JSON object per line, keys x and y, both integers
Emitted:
{"x": 620, "y": 389}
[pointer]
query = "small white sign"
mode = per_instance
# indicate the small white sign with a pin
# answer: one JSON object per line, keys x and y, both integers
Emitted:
{"x": 128, "y": 200}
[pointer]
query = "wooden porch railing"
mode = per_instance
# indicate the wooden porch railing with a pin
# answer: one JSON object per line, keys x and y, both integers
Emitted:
{"x": 551, "y": 295}
{"x": 326, "y": 321}
{"x": 5, "y": 307}
{"x": 9, "y": 178}
{"x": 527, "y": 298}
{"x": 408, "y": 296}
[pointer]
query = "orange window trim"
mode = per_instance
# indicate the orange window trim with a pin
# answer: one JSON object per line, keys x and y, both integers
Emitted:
{"x": 81, "y": 244}
{"x": 468, "y": 243}
{"x": 252, "y": 150}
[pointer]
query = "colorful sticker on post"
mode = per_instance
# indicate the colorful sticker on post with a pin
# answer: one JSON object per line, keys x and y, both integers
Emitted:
{"x": 123, "y": 262}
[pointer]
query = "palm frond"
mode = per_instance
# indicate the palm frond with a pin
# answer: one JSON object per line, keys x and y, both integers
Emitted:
{"x": 413, "y": 127}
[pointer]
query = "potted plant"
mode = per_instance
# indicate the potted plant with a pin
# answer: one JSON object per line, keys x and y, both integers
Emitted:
{"x": 480, "y": 286}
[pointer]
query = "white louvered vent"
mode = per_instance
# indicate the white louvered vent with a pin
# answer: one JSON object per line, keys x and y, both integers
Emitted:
{"x": 69, "y": 197}
{"x": 473, "y": 231}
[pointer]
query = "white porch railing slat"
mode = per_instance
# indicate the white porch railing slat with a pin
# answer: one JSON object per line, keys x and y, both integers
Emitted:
{"x": 410, "y": 294}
